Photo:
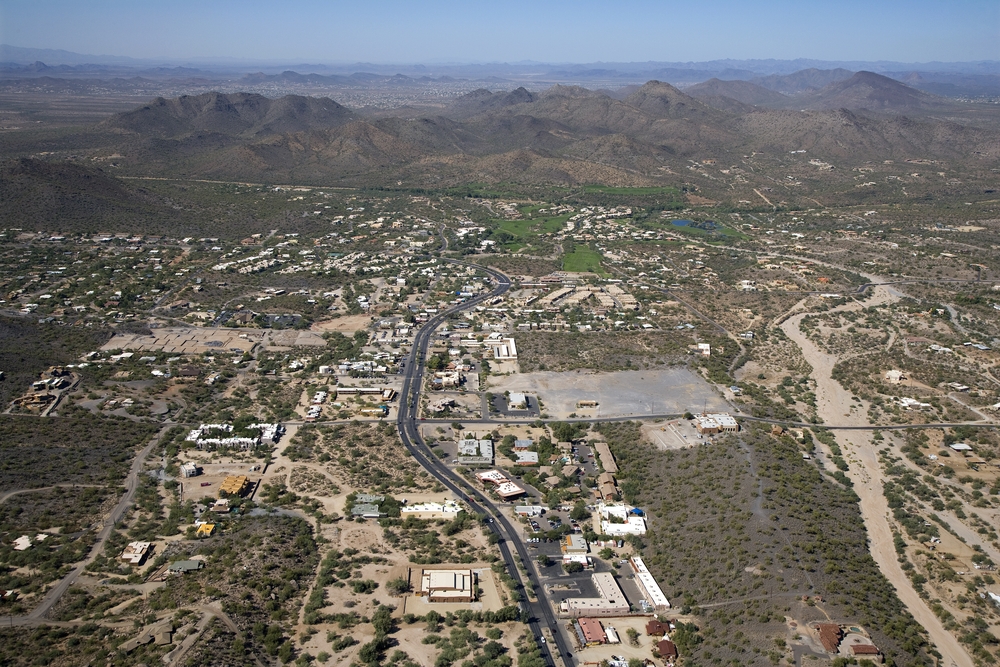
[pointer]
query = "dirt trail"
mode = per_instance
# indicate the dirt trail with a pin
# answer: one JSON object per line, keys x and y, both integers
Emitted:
{"x": 836, "y": 405}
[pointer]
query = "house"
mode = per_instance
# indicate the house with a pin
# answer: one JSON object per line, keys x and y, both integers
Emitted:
{"x": 135, "y": 553}
{"x": 205, "y": 530}
{"x": 190, "y": 469}
{"x": 894, "y": 376}
{"x": 182, "y": 566}
{"x": 830, "y": 635}
{"x": 367, "y": 511}
{"x": 667, "y": 649}
{"x": 655, "y": 628}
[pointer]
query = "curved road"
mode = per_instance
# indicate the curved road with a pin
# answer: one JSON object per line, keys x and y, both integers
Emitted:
{"x": 539, "y": 612}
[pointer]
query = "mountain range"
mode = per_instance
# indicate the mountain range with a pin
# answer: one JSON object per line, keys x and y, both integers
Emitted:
{"x": 648, "y": 135}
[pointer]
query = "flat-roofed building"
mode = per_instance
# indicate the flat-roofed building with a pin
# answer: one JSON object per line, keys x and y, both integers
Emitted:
{"x": 606, "y": 586}
{"x": 135, "y": 553}
{"x": 606, "y": 457}
{"x": 448, "y": 585}
{"x": 647, "y": 585}
{"x": 446, "y": 510}
{"x": 578, "y": 607}
{"x": 575, "y": 544}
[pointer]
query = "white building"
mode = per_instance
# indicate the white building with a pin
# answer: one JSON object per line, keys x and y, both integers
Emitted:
{"x": 619, "y": 520}
{"x": 648, "y": 586}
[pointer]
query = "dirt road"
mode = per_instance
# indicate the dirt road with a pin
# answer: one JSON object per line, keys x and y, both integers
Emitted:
{"x": 837, "y": 405}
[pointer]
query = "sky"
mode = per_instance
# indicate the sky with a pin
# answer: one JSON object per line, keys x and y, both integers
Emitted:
{"x": 555, "y": 31}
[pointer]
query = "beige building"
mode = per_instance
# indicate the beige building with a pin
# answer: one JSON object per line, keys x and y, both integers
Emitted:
{"x": 448, "y": 585}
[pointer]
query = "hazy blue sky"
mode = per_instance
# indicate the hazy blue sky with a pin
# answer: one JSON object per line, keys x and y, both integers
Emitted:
{"x": 408, "y": 31}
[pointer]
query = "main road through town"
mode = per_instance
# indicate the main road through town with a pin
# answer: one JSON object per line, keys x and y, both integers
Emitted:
{"x": 539, "y": 612}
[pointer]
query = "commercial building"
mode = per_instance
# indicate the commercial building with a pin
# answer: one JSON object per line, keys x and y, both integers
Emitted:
{"x": 517, "y": 401}
{"x": 575, "y": 544}
{"x": 716, "y": 423}
{"x": 526, "y": 458}
{"x": 448, "y": 585}
{"x": 446, "y": 510}
{"x": 606, "y": 458}
{"x": 475, "y": 451}
{"x": 503, "y": 487}
{"x": 647, "y": 585}
{"x": 592, "y": 631}
{"x": 619, "y": 520}
{"x": 611, "y": 602}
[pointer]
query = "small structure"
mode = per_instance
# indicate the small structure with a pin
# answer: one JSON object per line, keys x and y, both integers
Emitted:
{"x": 135, "y": 553}
{"x": 182, "y": 566}
{"x": 894, "y": 376}
{"x": 448, "y": 585}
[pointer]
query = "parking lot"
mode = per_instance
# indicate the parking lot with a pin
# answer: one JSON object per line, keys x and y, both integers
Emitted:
{"x": 619, "y": 394}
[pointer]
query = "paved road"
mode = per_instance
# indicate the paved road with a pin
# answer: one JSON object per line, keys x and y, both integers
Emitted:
{"x": 765, "y": 420}
{"x": 37, "y": 616}
{"x": 539, "y": 612}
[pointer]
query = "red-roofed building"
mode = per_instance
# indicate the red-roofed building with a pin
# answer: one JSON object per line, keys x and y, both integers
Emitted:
{"x": 666, "y": 649}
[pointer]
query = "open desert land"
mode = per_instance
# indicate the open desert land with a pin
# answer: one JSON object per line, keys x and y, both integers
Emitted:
{"x": 262, "y": 359}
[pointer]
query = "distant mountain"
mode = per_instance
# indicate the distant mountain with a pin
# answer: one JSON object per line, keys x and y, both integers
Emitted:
{"x": 565, "y": 135}
{"x": 867, "y": 90}
{"x": 238, "y": 114}
{"x": 482, "y": 100}
{"x": 661, "y": 100}
{"x": 715, "y": 93}
{"x": 802, "y": 81}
